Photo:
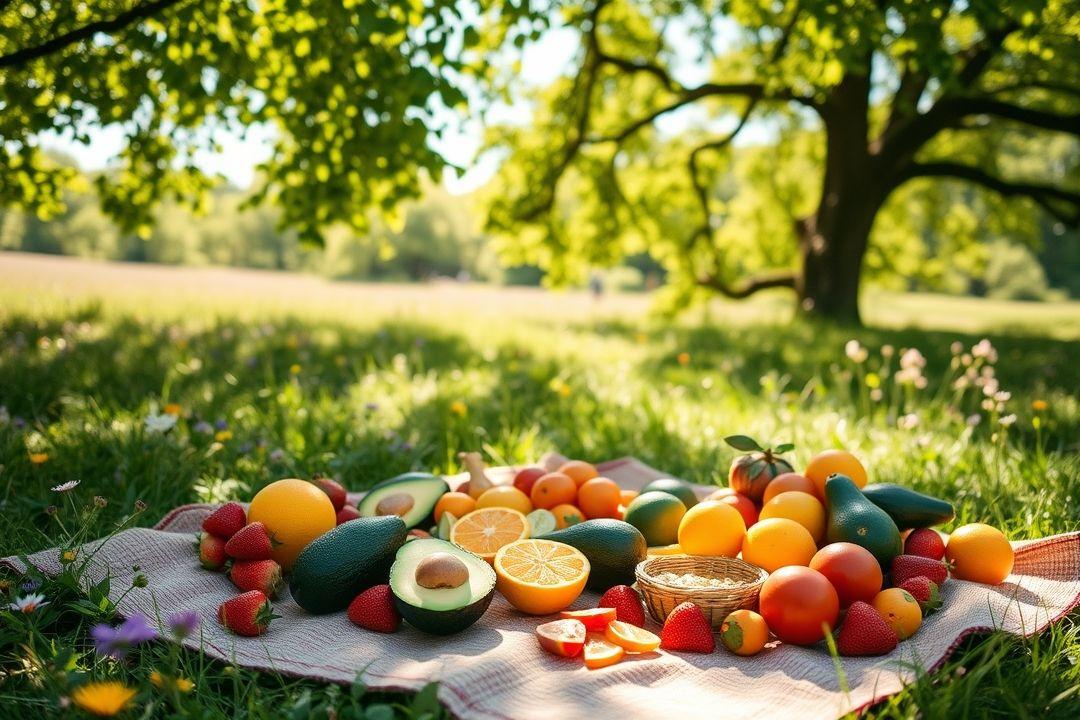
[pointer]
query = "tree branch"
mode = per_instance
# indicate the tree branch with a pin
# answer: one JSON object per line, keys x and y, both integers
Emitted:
{"x": 1029, "y": 116}
{"x": 1061, "y": 203}
{"x": 136, "y": 14}
{"x": 751, "y": 285}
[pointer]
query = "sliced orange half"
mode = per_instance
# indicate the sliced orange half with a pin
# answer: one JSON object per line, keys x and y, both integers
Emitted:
{"x": 630, "y": 637}
{"x": 486, "y": 530}
{"x": 540, "y": 577}
{"x": 600, "y": 653}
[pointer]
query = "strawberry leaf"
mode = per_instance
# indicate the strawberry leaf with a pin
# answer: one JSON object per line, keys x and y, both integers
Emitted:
{"x": 744, "y": 443}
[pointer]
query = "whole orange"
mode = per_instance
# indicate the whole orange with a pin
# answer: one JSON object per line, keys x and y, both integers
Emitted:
{"x": 295, "y": 512}
{"x": 777, "y": 542}
{"x": 599, "y": 498}
{"x": 900, "y": 610}
{"x": 579, "y": 471}
{"x": 979, "y": 553}
{"x": 799, "y": 604}
{"x": 457, "y": 504}
{"x": 567, "y": 515}
{"x": 852, "y": 569}
{"x": 833, "y": 462}
{"x": 801, "y": 507}
{"x": 711, "y": 527}
{"x": 744, "y": 632}
{"x": 786, "y": 483}
{"x": 505, "y": 496}
{"x": 553, "y": 489}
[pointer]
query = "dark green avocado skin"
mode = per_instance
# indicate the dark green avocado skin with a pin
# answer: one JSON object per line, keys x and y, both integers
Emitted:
{"x": 613, "y": 547}
{"x": 907, "y": 508}
{"x": 435, "y": 488}
{"x": 679, "y": 488}
{"x": 443, "y": 622}
{"x": 854, "y": 519}
{"x": 352, "y": 557}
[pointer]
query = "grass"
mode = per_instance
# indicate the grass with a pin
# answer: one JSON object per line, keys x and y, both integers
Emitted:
{"x": 362, "y": 382}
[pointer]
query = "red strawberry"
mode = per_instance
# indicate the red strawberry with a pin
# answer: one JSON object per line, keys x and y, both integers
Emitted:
{"x": 905, "y": 567}
{"x": 333, "y": 490}
{"x": 226, "y": 521}
{"x": 211, "y": 551}
{"x": 627, "y": 604}
{"x": 865, "y": 632}
{"x": 263, "y": 575}
{"x": 925, "y": 543}
{"x": 374, "y": 609}
{"x": 248, "y": 614}
{"x": 251, "y": 543}
{"x": 687, "y": 630}
{"x": 347, "y": 513}
{"x": 925, "y": 591}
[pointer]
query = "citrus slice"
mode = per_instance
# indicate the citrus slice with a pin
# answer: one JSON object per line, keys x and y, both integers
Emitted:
{"x": 593, "y": 618}
{"x": 600, "y": 653}
{"x": 562, "y": 637}
{"x": 630, "y": 637}
{"x": 486, "y": 530}
{"x": 539, "y": 577}
{"x": 541, "y": 522}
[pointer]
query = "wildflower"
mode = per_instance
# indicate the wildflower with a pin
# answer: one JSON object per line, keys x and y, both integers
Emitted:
{"x": 294, "y": 369}
{"x": 876, "y": 395}
{"x": 683, "y": 358}
{"x": 140, "y": 580}
{"x": 164, "y": 682}
{"x": 30, "y": 586}
{"x": 220, "y": 424}
{"x": 277, "y": 455}
{"x": 66, "y": 486}
{"x": 990, "y": 387}
{"x": 856, "y": 352}
{"x": 183, "y": 624}
{"x": 887, "y": 351}
{"x": 983, "y": 349}
{"x": 51, "y": 510}
{"x": 1039, "y": 405}
{"x": 39, "y": 458}
{"x": 159, "y": 423}
{"x": 100, "y": 501}
{"x": 973, "y": 420}
{"x": 458, "y": 408}
{"x": 116, "y": 642}
{"x": 172, "y": 409}
{"x": 912, "y": 358}
{"x": 988, "y": 404}
{"x": 104, "y": 699}
{"x": 873, "y": 380}
{"x": 957, "y": 347}
{"x": 203, "y": 428}
{"x": 1007, "y": 420}
{"x": 1002, "y": 396}
{"x": 28, "y": 604}
{"x": 68, "y": 556}
{"x": 223, "y": 435}
{"x": 908, "y": 422}
{"x": 140, "y": 505}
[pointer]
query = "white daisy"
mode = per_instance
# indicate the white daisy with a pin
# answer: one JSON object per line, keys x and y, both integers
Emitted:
{"x": 28, "y": 603}
{"x": 67, "y": 486}
{"x": 160, "y": 423}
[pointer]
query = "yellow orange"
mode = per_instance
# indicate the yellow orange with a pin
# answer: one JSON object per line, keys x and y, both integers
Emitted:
{"x": 788, "y": 482}
{"x": 540, "y": 577}
{"x": 831, "y": 462}
{"x": 630, "y": 637}
{"x": 744, "y": 632}
{"x": 599, "y": 498}
{"x": 505, "y": 496}
{"x": 295, "y": 512}
{"x": 457, "y": 504}
{"x": 553, "y": 489}
{"x": 801, "y": 507}
{"x": 979, "y": 553}
{"x": 486, "y": 530}
{"x": 675, "y": 549}
{"x": 712, "y": 528}
{"x": 900, "y": 610}
{"x": 599, "y": 652}
{"x": 777, "y": 542}
{"x": 579, "y": 471}
{"x": 567, "y": 515}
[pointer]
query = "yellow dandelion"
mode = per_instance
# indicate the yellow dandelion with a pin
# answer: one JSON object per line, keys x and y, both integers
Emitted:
{"x": 39, "y": 458}
{"x": 1039, "y": 405}
{"x": 683, "y": 358}
{"x": 172, "y": 409}
{"x": 103, "y": 699}
{"x": 873, "y": 380}
{"x": 165, "y": 682}
{"x": 68, "y": 556}
{"x": 459, "y": 408}
{"x": 223, "y": 435}
{"x": 157, "y": 679}
{"x": 564, "y": 390}
{"x": 294, "y": 369}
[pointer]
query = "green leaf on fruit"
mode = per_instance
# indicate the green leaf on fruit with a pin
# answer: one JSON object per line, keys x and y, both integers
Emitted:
{"x": 783, "y": 448}
{"x": 756, "y": 468}
{"x": 732, "y": 635}
{"x": 742, "y": 442}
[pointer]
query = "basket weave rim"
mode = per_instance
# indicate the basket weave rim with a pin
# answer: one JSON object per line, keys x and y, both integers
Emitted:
{"x": 649, "y": 579}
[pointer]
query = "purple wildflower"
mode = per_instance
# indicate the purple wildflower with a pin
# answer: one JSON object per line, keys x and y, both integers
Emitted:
{"x": 117, "y": 641}
{"x": 204, "y": 428}
{"x": 220, "y": 424}
{"x": 183, "y": 624}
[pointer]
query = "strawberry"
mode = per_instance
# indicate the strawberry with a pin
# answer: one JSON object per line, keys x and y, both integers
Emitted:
{"x": 865, "y": 632}
{"x": 925, "y": 542}
{"x": 251, "y": 543}
{"x": 687, "y": 630}
{"x": 248, "y": 614}
{"x": 333, "y": 490}
{"x": 211, "y": 551}
{"x": 905, "y": 567}
{"x": 627, "y": 604}
{"x": 226, "y": 521}
{"x": 263, "y": 575}
{"x": 925, "y": 591}
{"x": 347, "y": 513}
{"x": 374, "y": 609}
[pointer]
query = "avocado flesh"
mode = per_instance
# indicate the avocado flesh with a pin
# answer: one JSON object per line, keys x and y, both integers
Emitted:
{"x": 440, "y": 611}
{"x": 424, "y": 489}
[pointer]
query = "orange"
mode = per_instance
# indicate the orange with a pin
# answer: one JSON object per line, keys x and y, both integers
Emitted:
{"x": 740, "y": 502}
{"x": 832, "y": 462}
{"x": 505, "y": 496}
{"x": 567, "y": 515}
{"x": 486, "y": 530}
{"x": 712, "y": 528}
{"x": 600, "y": 653}
{"x": 627, "y": 496}
{"x": 801, "y": 507}
{"x": 540, "y": 577}
{"x": 553, "y": 489}
{"x": 786, "y": 483}
{"x": 900, "y": 610}
{"x": 630, "y": 637}
{"x": 979, "y": 553}
{"x": 295, "y": 512}
{"x": 457, "y": 504}
{"x": 777, "y": 542}
{"x": 744, "y": 632}
{"x": 579, "y": 471}
{"x": 599, "y": 498}
{"x": 675, "y": 549}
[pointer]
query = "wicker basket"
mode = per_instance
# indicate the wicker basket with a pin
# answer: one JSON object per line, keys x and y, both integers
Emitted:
{"x": 716, "y": 603}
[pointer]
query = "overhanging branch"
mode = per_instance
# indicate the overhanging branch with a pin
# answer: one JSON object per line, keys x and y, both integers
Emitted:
{"x": 1007, "y": 111}
{"x": 751, "y": 285}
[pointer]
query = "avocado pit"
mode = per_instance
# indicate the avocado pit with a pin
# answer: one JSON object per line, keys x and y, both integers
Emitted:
{"x": 441, "y": 570}
{"x": 396, "y": 504}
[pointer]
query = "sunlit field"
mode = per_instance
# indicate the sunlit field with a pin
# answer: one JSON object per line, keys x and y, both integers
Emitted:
{"x": 279, "y": 375}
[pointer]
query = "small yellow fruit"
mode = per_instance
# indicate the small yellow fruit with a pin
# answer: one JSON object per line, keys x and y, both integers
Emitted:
{"x": 979, "y": 553}
{"x": 712, "y": 528}
{"x": 801, "y": 507}
{"x": 778, "y": 542}
{"x": 505, "y": 496}
{"x": 295, "y": 512}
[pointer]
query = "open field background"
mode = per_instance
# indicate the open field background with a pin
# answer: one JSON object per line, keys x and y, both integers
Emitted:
{"x": 281, "y": 375}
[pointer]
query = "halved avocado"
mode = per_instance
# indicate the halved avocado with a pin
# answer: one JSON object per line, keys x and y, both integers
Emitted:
{"x": 411, "y": 497}
{"x": 440, "y": 588}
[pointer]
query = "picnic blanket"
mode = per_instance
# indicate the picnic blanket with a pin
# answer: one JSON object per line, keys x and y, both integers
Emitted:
{"x": 495, "y": 669}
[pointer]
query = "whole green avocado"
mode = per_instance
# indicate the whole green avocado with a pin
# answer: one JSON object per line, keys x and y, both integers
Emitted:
{"x": 854, "y": 519}
{"x": 613, "y": 547}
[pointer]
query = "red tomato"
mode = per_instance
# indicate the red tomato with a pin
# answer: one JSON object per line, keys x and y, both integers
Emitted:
{"x": 799, "y": 605}
{"x": 525, "y": 478}
{"x": 851, "y": 569}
